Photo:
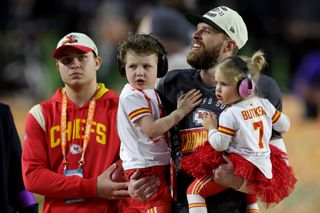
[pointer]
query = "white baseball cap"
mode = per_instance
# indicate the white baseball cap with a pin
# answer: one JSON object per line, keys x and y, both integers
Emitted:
{"x": 79, "y": 41}
{"x": 224, "y": 19}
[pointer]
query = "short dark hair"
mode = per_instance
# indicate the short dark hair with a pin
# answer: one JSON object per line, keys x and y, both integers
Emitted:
{"x": 145, "y": 44}
{"x": 139, "y": 44}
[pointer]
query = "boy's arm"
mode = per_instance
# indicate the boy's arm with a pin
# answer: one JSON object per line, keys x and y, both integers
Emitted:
{"x": 154, "y": 128}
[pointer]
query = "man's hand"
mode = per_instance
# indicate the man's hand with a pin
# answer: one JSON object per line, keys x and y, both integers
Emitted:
{"x": 143, "y": 188}
{"x": 224, "y": 175}
{"x": 108, "y": 189}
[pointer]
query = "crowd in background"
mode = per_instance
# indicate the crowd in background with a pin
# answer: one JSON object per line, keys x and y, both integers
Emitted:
{"x": 288, "y": 31}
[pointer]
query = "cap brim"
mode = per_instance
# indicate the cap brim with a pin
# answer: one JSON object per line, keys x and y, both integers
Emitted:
{"x": 58, "y": 51}
{"x": 195, "y": 19}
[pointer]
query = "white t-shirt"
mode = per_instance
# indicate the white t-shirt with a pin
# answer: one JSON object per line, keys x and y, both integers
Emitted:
{"x": 137, "y": 150}
{"x": 245, "y": 129}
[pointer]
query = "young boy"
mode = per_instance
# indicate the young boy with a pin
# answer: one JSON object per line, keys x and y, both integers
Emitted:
{"x": 142, "y": 125}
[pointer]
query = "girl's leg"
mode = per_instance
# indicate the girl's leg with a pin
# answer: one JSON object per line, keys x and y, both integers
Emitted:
{"x": 200, "y": 189}
{"x": 160, "y": 209}
{"x": 252, "y": 205}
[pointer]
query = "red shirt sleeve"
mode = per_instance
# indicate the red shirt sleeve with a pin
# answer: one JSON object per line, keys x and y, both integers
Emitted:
{"x": 39, "y": 178}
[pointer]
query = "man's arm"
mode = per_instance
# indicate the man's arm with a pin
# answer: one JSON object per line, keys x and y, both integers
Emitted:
{"x": 224, "y": 175}
{"x": 39, "y": 178}
{"x": 268, "y": 88}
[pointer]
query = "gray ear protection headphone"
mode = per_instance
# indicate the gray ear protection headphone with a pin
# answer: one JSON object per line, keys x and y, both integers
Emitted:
{"x": 245, "y": 86}
{"x": 162, "y": 59}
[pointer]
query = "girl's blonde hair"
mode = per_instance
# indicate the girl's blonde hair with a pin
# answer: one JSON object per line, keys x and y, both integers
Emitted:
{"x": 233, "y": 71}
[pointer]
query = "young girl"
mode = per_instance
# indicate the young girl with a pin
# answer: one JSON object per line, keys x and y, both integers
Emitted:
{"x": 142, "y": 125}
{"x": 242, "y": 136}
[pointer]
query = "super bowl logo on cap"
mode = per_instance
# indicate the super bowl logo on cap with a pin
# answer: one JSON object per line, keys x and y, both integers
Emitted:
{"x": 70, "y": 39}
{"x": 216, "y": 11}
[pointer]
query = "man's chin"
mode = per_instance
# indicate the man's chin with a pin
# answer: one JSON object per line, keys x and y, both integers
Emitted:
{"x": 199, "y": 60}
{"x": 193, "y": 60}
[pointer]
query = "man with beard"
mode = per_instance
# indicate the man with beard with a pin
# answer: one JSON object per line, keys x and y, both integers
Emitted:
{"x": 220, "y": 33}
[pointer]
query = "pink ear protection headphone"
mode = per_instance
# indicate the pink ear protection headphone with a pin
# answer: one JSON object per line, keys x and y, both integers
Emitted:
{"x": 245, "y": 86}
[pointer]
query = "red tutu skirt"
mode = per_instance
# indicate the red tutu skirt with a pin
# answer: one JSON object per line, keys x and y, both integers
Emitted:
{"x": 269, "y": 191}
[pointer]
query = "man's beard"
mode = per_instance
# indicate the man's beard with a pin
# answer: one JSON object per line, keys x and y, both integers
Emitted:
{"x": 204, "y": 59}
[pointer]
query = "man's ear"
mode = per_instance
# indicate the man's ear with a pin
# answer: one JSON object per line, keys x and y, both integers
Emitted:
{"x": 230, "y": 46}
{"x": 57, "y": 65}
{"x": 98, "y": 61}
